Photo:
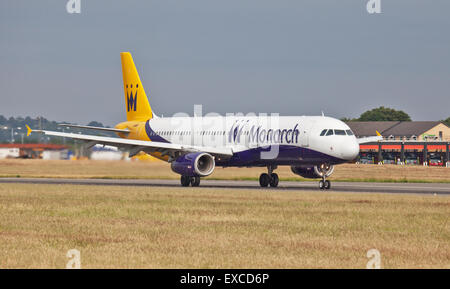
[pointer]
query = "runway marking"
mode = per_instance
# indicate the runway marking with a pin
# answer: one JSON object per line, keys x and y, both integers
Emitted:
{"x": 434, "y": 188}
{"x": 398, "y": 187}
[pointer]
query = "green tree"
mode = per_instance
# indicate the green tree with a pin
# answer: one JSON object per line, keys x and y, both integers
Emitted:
{"x": 3, "y": 120}
{"x": 18, "y": 124}
{"x": 95, "y": 123}
{"x": 447, "y": 121}
{"x": 384, "y": 114}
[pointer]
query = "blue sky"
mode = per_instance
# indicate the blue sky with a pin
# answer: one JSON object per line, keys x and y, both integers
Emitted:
{"x": 290, "y": 57}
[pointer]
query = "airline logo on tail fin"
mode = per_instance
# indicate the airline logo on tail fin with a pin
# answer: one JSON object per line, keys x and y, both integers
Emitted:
{"x": 131, "y": 101}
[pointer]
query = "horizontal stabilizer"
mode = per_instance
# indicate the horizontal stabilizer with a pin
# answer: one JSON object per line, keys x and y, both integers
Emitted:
{"x": 369, "y": 139}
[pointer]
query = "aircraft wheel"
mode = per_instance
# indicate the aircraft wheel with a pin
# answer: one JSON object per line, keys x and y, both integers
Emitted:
{"x": 274, "y": 180}
{"x": 264, "y": 180}
{"x": 195, "y": 181}
{"x": 185, "y": 181}
{"x": 327, "y": 185}
{"x": 321, "y": 184}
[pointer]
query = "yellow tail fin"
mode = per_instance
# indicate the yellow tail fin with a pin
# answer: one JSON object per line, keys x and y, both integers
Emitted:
{"x": 136, "y": 102}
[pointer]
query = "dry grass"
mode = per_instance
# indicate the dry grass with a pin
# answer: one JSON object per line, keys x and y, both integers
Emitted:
{"x": 139, "y": 227}
{"x": 161, "y": 170}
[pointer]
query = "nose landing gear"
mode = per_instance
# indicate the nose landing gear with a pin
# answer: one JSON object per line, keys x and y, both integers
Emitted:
{"x": 270, "y": 178}
{"x": 324, "y": 171}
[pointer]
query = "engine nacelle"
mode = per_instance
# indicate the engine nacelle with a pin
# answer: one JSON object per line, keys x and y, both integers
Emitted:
{"x": 313, "y": 172}
{"x": 194, "y": 165}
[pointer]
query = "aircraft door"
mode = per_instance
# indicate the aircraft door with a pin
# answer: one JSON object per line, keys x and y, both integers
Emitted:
{"x": 304, "y": 138}
{"x": 304, "y": 134}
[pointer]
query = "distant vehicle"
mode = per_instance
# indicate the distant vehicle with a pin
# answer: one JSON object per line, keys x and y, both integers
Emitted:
{"x": 435, "y": 161}
{"x": 411, "y": 159}
{"x": 366, "y": 158}
{"x": 389, "y": 158}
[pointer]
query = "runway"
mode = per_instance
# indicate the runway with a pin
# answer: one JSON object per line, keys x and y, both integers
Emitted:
{"x": 410, "y": 188}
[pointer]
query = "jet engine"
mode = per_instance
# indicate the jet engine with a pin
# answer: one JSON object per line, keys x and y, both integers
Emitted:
{"x": 313, "y": 172}
{"x": 194, "y": 165}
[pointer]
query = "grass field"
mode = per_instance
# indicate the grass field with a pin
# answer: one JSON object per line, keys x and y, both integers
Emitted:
{"x": 160, "y": 227}
{"x": 161, "y": 170}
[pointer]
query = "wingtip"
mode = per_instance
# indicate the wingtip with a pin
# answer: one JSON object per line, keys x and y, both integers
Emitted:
{"x": 29, "y": 130}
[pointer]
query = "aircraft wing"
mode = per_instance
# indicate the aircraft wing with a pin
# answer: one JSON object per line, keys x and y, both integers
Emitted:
{"x": 95, "y": 128}
{"x": 376, "y": 138}
{"x": 135, "y": 146}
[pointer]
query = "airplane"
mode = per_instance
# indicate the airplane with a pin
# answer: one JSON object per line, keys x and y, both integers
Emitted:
{"x": 194, "y": 146}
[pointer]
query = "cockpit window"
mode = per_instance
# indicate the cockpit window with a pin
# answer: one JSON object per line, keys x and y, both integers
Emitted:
{"x": 328, "y": 132}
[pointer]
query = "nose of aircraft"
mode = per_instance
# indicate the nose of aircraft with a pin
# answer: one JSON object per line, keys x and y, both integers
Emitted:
{"x": 349, "y": 149}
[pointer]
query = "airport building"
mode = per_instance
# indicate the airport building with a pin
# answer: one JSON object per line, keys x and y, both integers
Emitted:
{"x": 34, "y": 151}
{"x": 107, "y": 153}
{"x": 404, "y": 142}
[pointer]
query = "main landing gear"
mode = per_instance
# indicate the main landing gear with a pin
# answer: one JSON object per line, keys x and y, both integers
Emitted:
{"x": 270, "y": 178}
{"x": 187, "y": 180}
{"x": 323, "y": 170}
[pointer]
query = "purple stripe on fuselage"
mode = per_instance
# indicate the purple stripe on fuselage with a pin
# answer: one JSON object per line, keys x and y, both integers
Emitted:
{"x": 287, "y": 155}
{"x": 152, "y": 135}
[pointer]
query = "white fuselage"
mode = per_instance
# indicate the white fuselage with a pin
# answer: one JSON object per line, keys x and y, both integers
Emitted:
{"x": 277, "y": 139}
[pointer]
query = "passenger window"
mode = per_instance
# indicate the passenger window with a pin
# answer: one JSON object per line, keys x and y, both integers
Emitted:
{"x": 323, "y": 132}
{"x": 330, "y": 132}
{"x": 349, "y": 132}
{"x": 339, "y": 132}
